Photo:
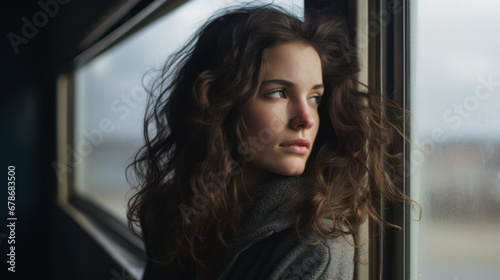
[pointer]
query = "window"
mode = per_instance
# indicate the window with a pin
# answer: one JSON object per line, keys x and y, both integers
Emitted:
{"x": 454, "y": 88}
{"x": 110, "y": 102}
{"x": 439, "y": 59}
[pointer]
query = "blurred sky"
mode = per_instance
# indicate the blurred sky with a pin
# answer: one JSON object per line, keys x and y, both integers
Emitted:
{"x": 453, "y": 44}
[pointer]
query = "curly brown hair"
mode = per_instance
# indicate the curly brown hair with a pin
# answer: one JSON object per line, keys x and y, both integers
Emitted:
{"x": 192, "y": 178}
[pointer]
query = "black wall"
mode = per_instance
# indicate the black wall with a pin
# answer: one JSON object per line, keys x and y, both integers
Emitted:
{"x": 49, "y": 245}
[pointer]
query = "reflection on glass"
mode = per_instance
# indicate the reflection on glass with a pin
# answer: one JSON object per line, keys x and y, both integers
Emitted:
{"x": 110, "y": 100}
{"x": 455, "y": 158}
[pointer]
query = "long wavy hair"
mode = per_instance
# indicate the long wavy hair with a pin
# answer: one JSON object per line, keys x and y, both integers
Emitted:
{"x": 190, "y": 195}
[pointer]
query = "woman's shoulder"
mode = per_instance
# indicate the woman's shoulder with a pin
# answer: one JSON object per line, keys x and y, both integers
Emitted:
{"x": 283, "y": 255}
{"x": 330, "y": 258}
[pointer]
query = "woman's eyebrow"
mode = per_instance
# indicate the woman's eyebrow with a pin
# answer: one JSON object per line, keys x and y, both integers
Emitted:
{"x": 278, "y": 81}
{"x": 318, "y": 86}
{"x": 288, "y": 83}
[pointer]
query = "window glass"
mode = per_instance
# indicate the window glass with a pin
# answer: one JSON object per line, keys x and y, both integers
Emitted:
{"x": 110, "y": 100}
{"x": 454, "y": 88}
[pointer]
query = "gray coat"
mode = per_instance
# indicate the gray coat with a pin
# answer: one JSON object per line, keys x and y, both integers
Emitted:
{"x": 268, "y": 247}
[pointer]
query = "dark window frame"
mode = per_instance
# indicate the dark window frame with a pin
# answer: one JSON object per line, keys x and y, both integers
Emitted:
{"x": 388, "y": 73}
{"x": 387, "y": 68}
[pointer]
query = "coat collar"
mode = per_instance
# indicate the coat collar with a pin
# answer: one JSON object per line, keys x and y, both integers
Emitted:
{"x": 276, "y": 205}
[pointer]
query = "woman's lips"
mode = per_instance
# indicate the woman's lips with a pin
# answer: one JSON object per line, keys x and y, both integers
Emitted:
{"x": 297, "y": 146}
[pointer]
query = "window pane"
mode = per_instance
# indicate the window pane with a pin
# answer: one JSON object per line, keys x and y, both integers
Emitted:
{"x": 110, "y": 101}
{"x": 455, "y": 159}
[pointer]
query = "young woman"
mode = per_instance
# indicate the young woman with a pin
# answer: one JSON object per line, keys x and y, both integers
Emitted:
{"x": 262, "y": 157}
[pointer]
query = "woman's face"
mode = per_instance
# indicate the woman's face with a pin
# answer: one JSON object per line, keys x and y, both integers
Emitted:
{"x": 282, "y": 117}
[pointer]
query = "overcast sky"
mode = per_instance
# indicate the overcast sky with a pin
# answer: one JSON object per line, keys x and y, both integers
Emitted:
{"x": 452, "y": 45}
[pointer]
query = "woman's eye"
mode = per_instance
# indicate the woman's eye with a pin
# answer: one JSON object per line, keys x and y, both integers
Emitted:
{"x": 277, "y": 94}
{"x": 315, "y": 99}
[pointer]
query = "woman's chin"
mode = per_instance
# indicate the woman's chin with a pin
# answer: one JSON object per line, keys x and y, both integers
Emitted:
{"x": 287, "y": 170}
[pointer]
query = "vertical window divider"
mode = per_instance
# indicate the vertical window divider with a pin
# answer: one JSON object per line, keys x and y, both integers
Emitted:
{"x": 389, "y": 255}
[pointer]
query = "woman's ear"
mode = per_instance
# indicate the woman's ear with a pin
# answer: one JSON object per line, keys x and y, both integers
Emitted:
{"x": 201, "y": 90}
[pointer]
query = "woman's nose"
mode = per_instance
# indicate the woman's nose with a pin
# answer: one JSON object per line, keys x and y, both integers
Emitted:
{"x": 301, "y": 117}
